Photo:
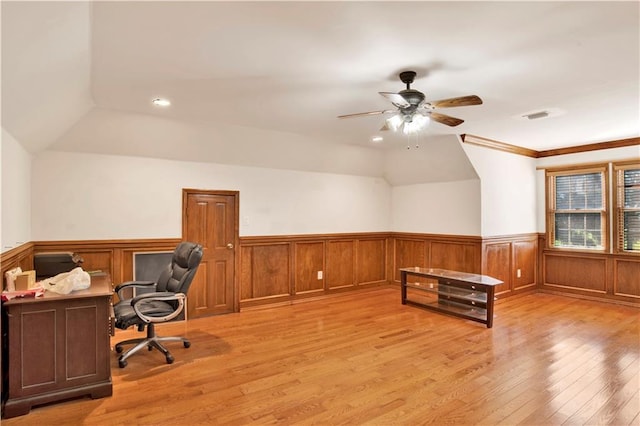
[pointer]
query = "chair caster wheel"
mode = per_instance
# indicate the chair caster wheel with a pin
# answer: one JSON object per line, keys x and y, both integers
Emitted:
{"x": 122, "y": 363}
{"x": 118, "y": 349}
{"x": 186, "y": 344}
{"x": 169, "y": 359}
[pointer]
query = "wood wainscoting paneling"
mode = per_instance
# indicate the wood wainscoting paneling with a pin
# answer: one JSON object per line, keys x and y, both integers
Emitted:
{"x": 409, "y": 252}
{"x": 340, "y": 264}
{"x": 602, "y": 276}
{"x": 112, "y": 256}
{"x": 101, "y": 260}
{"x": 371, "y": 255}
{"x": 21, "y": 256}
{"x": 282, "y": 269}
{"x": 265, "y": 271}
{"x": 496, "y": 263}
{"x": 455, "y": 256}
{"x": 513, "y": 260}
{"x": 453, "y": 252}
{"x": 525, "y": 263}
{"x": 592, "y": 275}
{"x": 309, "y": 261}
{"x": 626, "y": 277}
{"x": 575, "y": 272}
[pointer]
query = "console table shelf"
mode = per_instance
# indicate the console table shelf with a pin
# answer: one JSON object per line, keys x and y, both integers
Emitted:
{"x": 465, "y": 295}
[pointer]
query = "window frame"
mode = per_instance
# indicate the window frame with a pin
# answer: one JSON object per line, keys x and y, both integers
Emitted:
{"x": 618, "y": 207}
{"x": 551, "y": 211}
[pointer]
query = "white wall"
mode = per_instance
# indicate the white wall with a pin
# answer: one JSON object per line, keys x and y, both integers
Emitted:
{"x": 437, "y": 208}
{"x": 508, "y": 188}
{"x": 93, "y": 196}
{"x": 439, "y": 158}
{"x": 109, "y": 132}
{"x": 600, "y": 156}
{"x": 16, "y": 193}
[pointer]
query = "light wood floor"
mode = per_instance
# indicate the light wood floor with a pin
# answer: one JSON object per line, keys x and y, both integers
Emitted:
{"x": 363, "y": 358}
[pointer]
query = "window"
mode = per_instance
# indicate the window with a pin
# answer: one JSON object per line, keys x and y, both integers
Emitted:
{"x": 577, "y": 208}
{"x": 627, "y": 207}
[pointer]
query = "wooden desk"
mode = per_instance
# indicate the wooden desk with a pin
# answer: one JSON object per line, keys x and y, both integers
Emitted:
{"x": 461, "y": 294}
{"x": 56, "y": 347}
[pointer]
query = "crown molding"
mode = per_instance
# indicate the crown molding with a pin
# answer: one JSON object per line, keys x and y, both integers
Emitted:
{"x": 590, "y": 147}
{"x": 500, "y": 146}
{"x": 513, "y": 149}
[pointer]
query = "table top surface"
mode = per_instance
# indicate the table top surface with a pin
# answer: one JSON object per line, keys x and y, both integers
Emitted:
{"x": 100, "y": 287}
{"x": 453, "y": 275}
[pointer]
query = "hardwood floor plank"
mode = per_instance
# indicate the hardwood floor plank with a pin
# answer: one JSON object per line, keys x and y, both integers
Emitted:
{"x": 597, "y": 396}
{"x": 629, "y": 412}
{"x": 363, "y": 358}
{"x": 607, "y": 412}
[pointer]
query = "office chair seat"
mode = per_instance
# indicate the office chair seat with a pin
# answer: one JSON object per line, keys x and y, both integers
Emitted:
{"x": 126, "y": 316}
{"x": 165, "y": 303}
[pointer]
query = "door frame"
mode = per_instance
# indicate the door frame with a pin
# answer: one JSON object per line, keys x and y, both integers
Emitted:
{"x": 236, "y": 232}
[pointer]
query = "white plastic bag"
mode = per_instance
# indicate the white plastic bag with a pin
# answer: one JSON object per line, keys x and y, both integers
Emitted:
{"x": 66, "y": 282}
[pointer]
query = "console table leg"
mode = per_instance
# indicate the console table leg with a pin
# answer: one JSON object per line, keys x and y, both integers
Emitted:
{"x": 403, "y": 287}
{"x": 490, "y": 301}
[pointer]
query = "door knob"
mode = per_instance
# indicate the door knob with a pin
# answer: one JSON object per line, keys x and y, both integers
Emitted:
{"x": 230, "y": 246}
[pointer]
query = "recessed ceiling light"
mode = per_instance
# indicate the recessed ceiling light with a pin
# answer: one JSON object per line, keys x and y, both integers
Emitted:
{"x": 161, "y": 102}
{"x": 377, "y": 139}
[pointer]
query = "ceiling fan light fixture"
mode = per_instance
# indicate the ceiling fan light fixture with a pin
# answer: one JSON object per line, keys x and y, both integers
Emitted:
{"x": 418, "y": 122}
{"x": 413, "y": 113}
{"x": 395, "y": 122}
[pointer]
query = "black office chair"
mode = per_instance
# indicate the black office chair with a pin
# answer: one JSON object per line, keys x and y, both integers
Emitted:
{"x": 165, "y": 303}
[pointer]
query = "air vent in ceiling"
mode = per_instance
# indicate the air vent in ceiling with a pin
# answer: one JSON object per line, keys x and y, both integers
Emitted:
{"x": 536, "y": 115}
{"x": 539, "y": 114}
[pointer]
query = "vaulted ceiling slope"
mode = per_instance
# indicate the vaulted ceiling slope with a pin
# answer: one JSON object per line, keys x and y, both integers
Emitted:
{"x": 46, "y": 62}
{"x": 261, "y": 75}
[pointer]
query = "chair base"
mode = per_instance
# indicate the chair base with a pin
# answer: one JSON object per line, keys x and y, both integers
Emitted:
{"x": 151, "y": 341}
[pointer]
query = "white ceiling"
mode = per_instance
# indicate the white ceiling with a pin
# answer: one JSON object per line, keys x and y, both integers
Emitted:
{"x": 292, "y": 67}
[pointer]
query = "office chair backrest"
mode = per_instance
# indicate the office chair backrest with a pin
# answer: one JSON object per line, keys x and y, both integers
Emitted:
{"x": 177, "y": 276}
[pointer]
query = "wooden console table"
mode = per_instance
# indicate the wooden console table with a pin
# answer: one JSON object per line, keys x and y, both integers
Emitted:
{"x": 461, "y": 294}
{"x": 56, "y": 347}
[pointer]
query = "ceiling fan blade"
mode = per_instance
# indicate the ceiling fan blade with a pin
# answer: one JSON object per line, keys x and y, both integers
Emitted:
{"x": 456, "y": 102}
{"x": 363, "y": 114}
{"x": 396, "y": 99}
{"x": 446, "y": 119}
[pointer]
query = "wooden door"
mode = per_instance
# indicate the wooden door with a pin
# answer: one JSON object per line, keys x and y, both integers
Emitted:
{"x": 210, "y": 218}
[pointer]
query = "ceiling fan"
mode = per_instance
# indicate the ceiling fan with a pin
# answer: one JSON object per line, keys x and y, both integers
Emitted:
{"x": 413, "y": 112}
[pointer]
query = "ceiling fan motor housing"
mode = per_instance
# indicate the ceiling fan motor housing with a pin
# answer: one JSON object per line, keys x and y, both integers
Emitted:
{"x": 414, "y": 97}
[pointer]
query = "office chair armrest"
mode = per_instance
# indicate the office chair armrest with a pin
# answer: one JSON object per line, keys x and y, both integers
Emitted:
{"x": 132, "y": 284}
{"x": 159, "y": 296}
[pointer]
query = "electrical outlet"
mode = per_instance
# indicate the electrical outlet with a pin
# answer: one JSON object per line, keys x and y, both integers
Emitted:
{"x": 519, "y": 273}
{"x": 319, "y": 275}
